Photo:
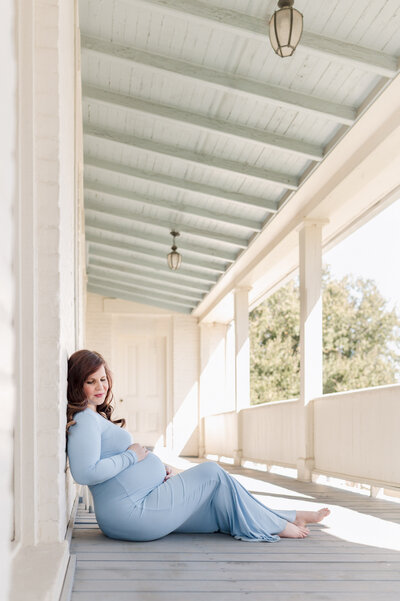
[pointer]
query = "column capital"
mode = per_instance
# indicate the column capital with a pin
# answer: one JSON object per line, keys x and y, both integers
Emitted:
{"x": 309, "y": 221}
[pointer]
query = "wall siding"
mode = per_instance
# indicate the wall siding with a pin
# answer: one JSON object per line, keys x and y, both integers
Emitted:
{"x": 7, "y": 195}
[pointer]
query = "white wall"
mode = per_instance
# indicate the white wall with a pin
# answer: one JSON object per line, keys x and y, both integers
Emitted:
{"x": 45, "y": 259}
{"x": 8, "y": 72}
{"x": 106, "y": 320}
{"x": 54, "y": 195}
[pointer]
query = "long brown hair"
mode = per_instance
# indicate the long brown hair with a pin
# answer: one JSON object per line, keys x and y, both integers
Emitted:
{"x": 81, "y": 365}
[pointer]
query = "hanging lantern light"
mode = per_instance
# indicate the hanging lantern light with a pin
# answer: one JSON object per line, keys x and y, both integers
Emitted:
{"x": 174, "y": 258}
{"x": 285, "y": 28}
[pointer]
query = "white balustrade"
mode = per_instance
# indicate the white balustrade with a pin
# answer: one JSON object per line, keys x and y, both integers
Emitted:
{"x": 356, "y": 434}
{"x": 220, "y": 434}
{"x": 270, "y": 432}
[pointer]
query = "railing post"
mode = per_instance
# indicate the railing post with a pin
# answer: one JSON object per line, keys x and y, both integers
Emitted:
{"x": 242, "y": 365}
{"x": 310, "y": 262}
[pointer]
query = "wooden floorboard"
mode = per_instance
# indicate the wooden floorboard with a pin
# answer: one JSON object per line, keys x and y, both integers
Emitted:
{"x": 353, "y": 556}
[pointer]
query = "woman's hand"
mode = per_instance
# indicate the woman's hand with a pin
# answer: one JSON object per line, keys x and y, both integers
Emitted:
{"x": 141, "y": 452}
{"x": 168, "y": 472}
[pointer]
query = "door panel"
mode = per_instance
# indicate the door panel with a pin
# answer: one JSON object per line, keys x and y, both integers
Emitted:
{"x": 140, "y": 376}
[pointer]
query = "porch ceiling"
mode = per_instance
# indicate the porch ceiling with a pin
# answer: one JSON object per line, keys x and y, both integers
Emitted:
{"x": 192, "y": 123}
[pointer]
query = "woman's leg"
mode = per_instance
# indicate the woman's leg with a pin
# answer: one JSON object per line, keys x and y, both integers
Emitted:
{"x": 204, "y": 498}
{"x": 235, "y": 511}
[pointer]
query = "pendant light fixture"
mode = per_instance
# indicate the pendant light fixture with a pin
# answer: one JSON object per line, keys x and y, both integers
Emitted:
{"x": 174, "y": 258}
{"x": 285, "y": 28}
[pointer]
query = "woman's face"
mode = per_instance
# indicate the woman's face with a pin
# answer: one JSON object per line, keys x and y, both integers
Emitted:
{"x": 95, "y": 388}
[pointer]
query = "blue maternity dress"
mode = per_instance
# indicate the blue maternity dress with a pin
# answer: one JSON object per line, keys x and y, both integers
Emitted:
{"x": 132, "y": 501}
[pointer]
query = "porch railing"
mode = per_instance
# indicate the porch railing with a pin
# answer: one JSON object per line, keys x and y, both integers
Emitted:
{"x": 356, "y": 434}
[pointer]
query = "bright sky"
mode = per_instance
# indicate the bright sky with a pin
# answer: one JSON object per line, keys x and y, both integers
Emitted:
{"x": 372, "y": 252}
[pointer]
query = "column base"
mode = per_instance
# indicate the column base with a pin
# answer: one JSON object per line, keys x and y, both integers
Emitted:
{"x": 305, "y": 468}
{"x": 38, "y": 572}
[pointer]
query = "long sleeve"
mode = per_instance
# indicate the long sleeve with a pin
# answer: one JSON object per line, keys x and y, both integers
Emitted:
{"x": 84, "y": 450}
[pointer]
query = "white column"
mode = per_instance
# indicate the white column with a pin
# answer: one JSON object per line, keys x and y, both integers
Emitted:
{"x": 242, "y": 364}
{"x": 212, "y": 378}
{"x": 310, "y": 260}
{"x": 44, "y": 216}
{"x": 203, "y": 385}
{"x": 25, "y": 266}
{"x": 7, "y": 317}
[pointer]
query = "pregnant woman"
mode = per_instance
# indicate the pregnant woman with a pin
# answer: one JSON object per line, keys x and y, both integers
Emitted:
{"x": 135, "y": 496}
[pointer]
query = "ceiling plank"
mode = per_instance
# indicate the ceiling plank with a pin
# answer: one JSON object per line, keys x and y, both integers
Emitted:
{"x": 246, "y": 25}
{"x": 124, "y": 259}
{"x": 126, "y": 255}
{"x": 180, "y": 184}
{"x": 161, "y": 263}
{"x": 168, "y": 298}
{"x": 225, "y": 81}
{"x": 148, "y": 252}
{"x": 179, "y": 208}
{"x": 118, "y": 293}
{"x": 209, "y": 124}
{"x": 124, "y": 278}
{"x": 358, "y": 56}
{"x": 174, "y": 152}
{"x": 149, "y": 274}
{"x": 103, "y": 224}
{"x": 183, "y": 228}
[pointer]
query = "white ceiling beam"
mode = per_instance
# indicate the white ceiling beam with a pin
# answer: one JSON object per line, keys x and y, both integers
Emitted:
{"x": 179, "y": 184}
{"x": 149, "y": 252}
{"x": 227, "y": 82}
{"x": 161, "y": 263}
{"x": 129, "y": 262}
{"x": 142, "y": 285}
{"x": 183, "y": 228}
{"x": 210, "y": 124}
{"x": 133, "y": 198}
{"x": 115, "y": 292}
{"x": 99, "y": 223}
{"x": 311, "y": 43}
{"x": 151, "y": 275}
{"x": 359, "y": 57}
{"x": 174, "y": 153}
{"x": 138, "y": 290}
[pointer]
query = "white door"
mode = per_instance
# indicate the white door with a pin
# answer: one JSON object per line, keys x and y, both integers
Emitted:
{"x": 140, "y": 387}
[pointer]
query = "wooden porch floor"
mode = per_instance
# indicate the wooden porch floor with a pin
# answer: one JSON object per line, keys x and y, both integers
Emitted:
{"x": 354, "y": 555}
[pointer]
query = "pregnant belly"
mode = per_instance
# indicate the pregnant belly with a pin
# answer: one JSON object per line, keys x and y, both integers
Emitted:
{"x": 141, "y": 477}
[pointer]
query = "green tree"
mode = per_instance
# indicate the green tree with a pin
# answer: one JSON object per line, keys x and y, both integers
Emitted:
{"x": 361, "y": 345}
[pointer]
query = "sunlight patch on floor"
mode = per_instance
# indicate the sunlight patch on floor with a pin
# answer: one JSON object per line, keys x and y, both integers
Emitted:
{"x": 172, "y": 459}
{"x": 260, "y": 486}
{"x": 356, "y": 527}
{"x": 356, "y": 487}
{"x": 284, "y": 471}
{"x": 341, "y": 484}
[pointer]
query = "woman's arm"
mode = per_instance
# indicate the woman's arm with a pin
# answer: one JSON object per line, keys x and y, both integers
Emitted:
{"x": 84, "y": 447}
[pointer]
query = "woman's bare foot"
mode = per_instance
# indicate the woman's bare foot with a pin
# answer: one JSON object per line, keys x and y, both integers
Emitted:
{"x": 294, "y": 531}
{"x": 311, "y": 517}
